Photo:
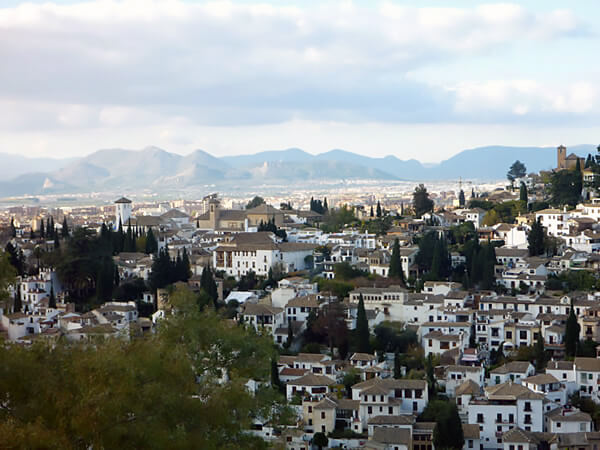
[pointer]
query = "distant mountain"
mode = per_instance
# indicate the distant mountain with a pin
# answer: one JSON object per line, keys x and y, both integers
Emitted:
{"x": 14, "y": 165}
{"x": 155, "y": 168}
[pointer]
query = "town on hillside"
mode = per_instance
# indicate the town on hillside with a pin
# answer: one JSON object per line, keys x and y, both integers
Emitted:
{"x": 470, "y": 321}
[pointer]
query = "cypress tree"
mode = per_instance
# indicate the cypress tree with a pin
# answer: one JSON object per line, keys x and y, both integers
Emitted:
{"x": 290, "y": 335}
{"x": 48, "y": 229}
{"x": 325, "y": 206}
{"x": 362, "y": 328}
{"x": 117, "y": 278}
{"x": 540, "y": 354}
{"x": 52, "y": 299}
{"x": 42, "y": 230}
{"x": 571, "y": 332}
{"x": 523, "y": 193}
{"x": 396, "y": 263}
{"x": 17, "y": 305}
{"x": 275, "y": 382}
{"x": 120, "y": 238}
{"x": 65, "y": 228}
{"x": 372, "y": 214}
{"x": 397, "y": 366}
{"x": 535, "y": 239}
{"x": 13, "y": 230}
{"x": 378, "y": 209}
{"x": 448, "y": 432}
{"x": 461, "y": 198}
{"x": 185, "y": 266}
{"x": 151, "y": 243}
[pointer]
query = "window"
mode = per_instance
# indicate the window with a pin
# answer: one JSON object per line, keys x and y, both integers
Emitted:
{"x": 310, "y": 409}
{"x": 369, "y": 410}
{"x": 499, "y": 418}
{"x": 509, "y": 335}
{"x": 558, "y": 424}
{"x": 470, "y": 443}
{"x": 390, "y": 410}
{"x": 322, "y": 414}
{"x": 480, "y": 418}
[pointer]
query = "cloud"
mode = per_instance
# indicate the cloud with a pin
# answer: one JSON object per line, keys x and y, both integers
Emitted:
{"x": 527, "y": 97}
{"x": 127, "y": 62}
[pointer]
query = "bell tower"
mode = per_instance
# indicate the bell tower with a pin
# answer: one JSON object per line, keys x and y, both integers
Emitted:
{"x": 561, "y": 157}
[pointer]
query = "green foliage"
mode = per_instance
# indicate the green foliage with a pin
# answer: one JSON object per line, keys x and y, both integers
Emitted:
{"x": 338, "y": 219}
{"x": 433, "y": 257}
{"x": 565, "y": 188}
{"x": 396, "y": 263}
{"x": 256, "y": 201}
{"x": 523, "y": 193}
{"x": 351, "y": 378}
{"x": 344, "y": 271}
{"x": 166, "y": 271}
{"x": 536, "y": 239}
{"x": 318, "y": 206}
{"x": 421, "y": 201}
{"x": 572, "y": 280}
{"x": 209, "y": 285}
{"x": 448, "y": 432}
{"x": 158, "y": 392}
{"x": 320, "y": 440}
{"x": 339, "y": 288}
{"x": 516, "y": 170}
{"x": 151, "y": 244}
{"x": 461, "y": 198}
{"x": 16, "y": 258}
{"x": 571, "y": 332}
{"x": 483, "y": 204}
{"x": 7, "y": 277}
{"x": 362, "y": 328}
{"x": 270, "y": 226}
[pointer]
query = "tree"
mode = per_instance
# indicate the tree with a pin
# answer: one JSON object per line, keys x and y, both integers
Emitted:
{"x": 565, "y": 188}
{"x": 209, "y": 285}
{"x": 65, "y": 228}
{"x": 396, "y": 270}
{"x": 140, "y": 393}
{"x": 42, "y": 229}
{"x": 571, "y": 332}
{"x": 461, "y": 198}
{"x": 397, "y": 366}
{"x": 104, "y": 281}
{"x": 523, "y": 193}
{"x": 320, "y": 440}
{"x": 13, "y": 230}
{"x": 517, "y": 170}
{"x": 256, "y": 201}
{"x": 52, "y": 298}
{"x": 17, "y": 304}
{"x": 372, "y": 213}
{"x": 151, "y": 243}
{"x": 540, "y": 354}
{"x": 378, "y": 209}
{"x": 421, "y": 201}
{"x": 536, "y": 239}
{"x": 362, "y": 328}
{"x": 275, "y": 381}
{"x": 448, "y": 432}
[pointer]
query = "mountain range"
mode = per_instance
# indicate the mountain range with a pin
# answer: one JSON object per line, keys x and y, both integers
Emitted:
{"x": 156, "y": 169}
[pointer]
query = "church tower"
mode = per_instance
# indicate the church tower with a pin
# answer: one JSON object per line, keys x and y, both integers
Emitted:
{"x": 561, "y": 157}
{"x": 122, "y": 212}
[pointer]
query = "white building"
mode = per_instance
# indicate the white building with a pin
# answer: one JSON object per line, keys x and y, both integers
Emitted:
{"x": 506, "y": 406}
{"x": 122, "y": 212}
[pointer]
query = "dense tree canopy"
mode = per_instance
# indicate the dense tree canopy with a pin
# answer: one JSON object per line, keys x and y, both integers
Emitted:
{"x": 161, "y": 391}
{"x": 256, "y": 201}
{"x": 421, "y": 201}
{"x": 565, "y": 188}
{"x": 516, "y": 170}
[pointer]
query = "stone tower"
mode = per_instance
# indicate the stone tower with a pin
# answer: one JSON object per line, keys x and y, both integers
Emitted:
{"x": 122, "y": 212}
{"x": 561, "y": 157}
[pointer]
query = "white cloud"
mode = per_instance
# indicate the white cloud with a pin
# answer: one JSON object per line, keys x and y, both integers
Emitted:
{"x": 173, "y": 67}
{"x": 523, "y": 97}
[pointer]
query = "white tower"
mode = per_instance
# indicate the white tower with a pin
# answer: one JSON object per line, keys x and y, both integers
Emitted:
{"x": 122, "y": 212}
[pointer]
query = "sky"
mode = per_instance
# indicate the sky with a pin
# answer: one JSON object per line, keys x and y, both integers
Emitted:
{"x": 419, "y": 79}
